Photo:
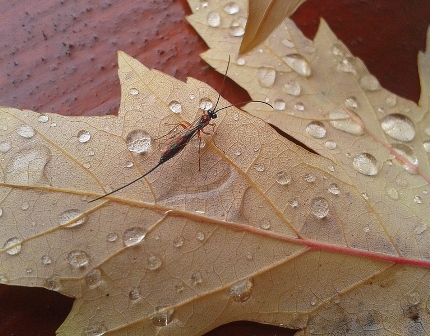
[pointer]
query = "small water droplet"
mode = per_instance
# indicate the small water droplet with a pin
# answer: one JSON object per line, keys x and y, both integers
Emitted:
{"x": 259, "y": 167}
{"x": 426, "y": 145}
{"x": 237, "y": 27}
{"x": 213, "y": 19}
{"x": 28, "y": 270}
{"x": 5, "y": 147}
{"x": 53, "y": 283}
{"x": 292, "y": 88}
{"x": 237, "y": 153}
{"x": 333, "y": 189}
{"x": 298, "y": 63}
{"x": 310, "y": 178}
{"x": 331, "y": 168}
{"x": 288, "y": 43}
{"x": 138, "y": 141}
{"x": 369, "y": 82}
{"x": 314, "y": 301}
{"x": 46, "y": 260}
{"x": 153, "y": 263}
{"x": 279, "y": 104}
{"x": 129, "y": 164}
{"x": 133, "y": 91}
{"x": 319, "y": 207}
{"x": 365, "y": 196}
{"x": 340, "y": 120}
{"x": 78, "y": 258}
{"x": 282, "y": 178}
{"x": 231, "y": 8}
{"x": 398, "y": 126}
{"x": 351, "y": 102}
{"x": 330, "y": 144}
{"x": 294, "y": 203}
{"x": 249, "y": 256}
{"x": 178, "y": 242}
{"x": 392, "y": 193}
{"x": 316, "y": 129}
{"x": 241, "y": 291}
{"x": 337, "y": 50}
{"x": 417, "y": 199}
{"x": 240, "y": 61}
{"x": 70, "y": 216}
{"x": 179, "y": 287}
{"x": 175, "y": 106}
{"x": 95, "y": 329}
{"x": 25, "y": 206}
{"x": 84, "y": 136}
{"x": 414, "y": 298}
{"x": 266, "y": 76}
{"x": 299, "y": 106}
{"x": 93, "y": 278}
{"x": 365, "y": 164}
{"x": 111, "y": 237}
{"x": 391, "y": 100}
{"x": 43, "y": 118}
{"x": 266, "y": 224}
{"x": 205, "y": 104}
{"x": 407, "y": 153}
{"x": 420, "y": 228}
{"x": 200, "y": 236}
{"x": 134, "y": 294}
{"x": 26, "y": 131}
{"x": 163, "y": 318}
{"x": 133, "y": 236}
{"x": 235, "y": 117}
{"x": 192, "y": 96}
{"x": 54, "y": 124}
{"x": 12, "y": 242}
{"x": 347, "y": 64}
{"x": 196, "y": 279}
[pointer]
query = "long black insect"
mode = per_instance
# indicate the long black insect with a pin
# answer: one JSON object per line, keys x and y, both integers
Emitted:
{"x": 177, "y": 142}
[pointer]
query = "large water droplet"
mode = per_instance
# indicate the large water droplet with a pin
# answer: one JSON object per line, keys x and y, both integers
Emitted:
{"x": 78, "y": 258}
{"x": 153, "y": 263}
{"x": 398, "y": 126}
{"x": 231, "y": 8}
{"x": 292, "y": 88}
{"x": 266, "y": 76}
{"x": 365, "y": 164}
{"x": 16, "y": 243}
{"x": 241, "y": 291}
{"x": 237, "y": 27}
{"x": 138, "y": 141}
{"x": 26, "y": 131}
{"x": 369, "y": 82}
{"x": 133, "y": 236}
{"x": 175, "y": 106}
{"x": 84, "y": 136}
{"x": 340, "y": 120}
{"x": 163, "y": 318}
{"x": 298, "y": 63}
{"x": 70, "y": 216}
{"x": 316, "y": 129}
{"x": 213, "y": 19}
{"x": 319, "y": 207}
{"x": 282, "y": 178}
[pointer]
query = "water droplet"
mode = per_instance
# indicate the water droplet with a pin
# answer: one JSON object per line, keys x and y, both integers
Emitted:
{"x": 54, "y": 124}
{"x": 398, "y": 126}
{"x": 333, "y": 189}
{"x": 420, "y": 228}
{"x": 78, "y": 258}
{"x": 414, "y": 298}
{"x": 12, "y": 242}
{"x": 163, "y": 318}
{"x": 192, "y": 96}
{"x": 138, "y": 141}
{"x": 133, "y": 91}
{"x": 407, "y": 153}
{"x": 26, "y": 131}
{"x": 337, "y": 50}
{"x": 237, "y": 27}
{"x": 213, "y": 19}
{"x": 241, "y": 291}
{"x": 392, "y": 193}
{"x": 330, "y": 144}
{"x": 288, "y": 43}
{"x": 391, "y": 100}
{"x": 129, "y": 164}
{"x": 5, "y": 147}
{"x": 3, "y": 279}
{"x": 314, "y": 301}
{"x": 134, "y": 294}
{"x": 365, "y": 164}
{"x": 266, "y": 76}
{"x": 28, "y": 270}
{"x": 200, "y": 236}
{"x": 347, "y": 65}
{"x": 299, "y": 106}
{"x": 93, "y": 278}
{"x": 316, "y": 129}
{"x": 179, "y": 287}
{"x": 417, "y": 199}
{"x": 231, "y": 8}
{"x": 240, "y": 61}
{"x": 351, "y": 102}
{"x": 259, "y": 167}
{"x": 340, "y": 120}
{"x": 298, "y": 63}
{"x": 84, "y": 136}
{"x": 43, "y": 118}
{"x": 310, "y": 178}
{"x": 46, "y": 260}
{"x": 53, "y": 283}
{"x": 426, "y": 145}
{"x": 178, "y": 242}
{"x": 369, "y": 82}
{"x": 25, "y": 206}
{"x": 70, "y": 216}
{"x": 366, "y": 229}
{"x": 279, "y": 105}
{"x": 331, "y": 168}
{"x": 235, "y": 117}
{"x": 282, "y": 178}
{"x": 292, "y": 88}
{"x": 205, "y": 104}
{"x": 175, "y": 106}
{"x": 294, "y": 203}
{"x": 153, "y": 263}
{"x": 265, "y": 224}
{"x": 237, "y": 153}
{"x": 96, "y": 329}
{"x": 319, "y": 207}
{"x": 111, "y": 237}
{"x": 196, "y": 279}
{"x": 133, "y": 236}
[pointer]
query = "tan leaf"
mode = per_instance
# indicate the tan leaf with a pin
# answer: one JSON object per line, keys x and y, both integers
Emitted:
{"x": 264, "y": 17}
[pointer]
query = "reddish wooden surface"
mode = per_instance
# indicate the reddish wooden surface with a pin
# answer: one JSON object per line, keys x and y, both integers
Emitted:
{"x": 60, "y": 57}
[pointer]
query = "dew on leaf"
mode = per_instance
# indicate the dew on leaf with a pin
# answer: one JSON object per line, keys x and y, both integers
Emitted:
{"x": 287, "y": 43}
{"x": 347, "y": 65}
{"x": 133, "y": 91}
{"x": 266, "y": 76}
{"x": 407, "y": 153}
{"x": 259, "y": 167}
{"x": 316, "y": 129}
{"x": 413, "y": 298}
{"x": 5, "y": 147}
{"x": 84, "y": 136}
{"x": 196, "y": 279}
{"x": 420, "y": 228}
{"x": 46, "y": 260}
{"x": 213, "y": 19}
{"x": 279, "y": 104}
{"x": 298, "y": 64}
{"x": 240, "y": 61}
{"x": 249, "y": 256}
{"x": 340, "y": 120}
{"x": 43, "y": 118}
{"x": 237, "y": 27}
{"x": 163, "y": 318}
{"x": 319, "y": 207}
{"x": 392, "y": 193}
{"x": 299, "y": 106}
{"x": 351, "y": 102}
{"x": 25, "y": 206}
{"x": 138, "y": 141}
{"x": 365, "y": 164}
{"x": 426, "y": 145}
{"x": 205, "y": 104}
{"x": 330, "y": 144}
{"x": 398, "y": 127}
{"x": 310, "y": 178}
{"x": 16, "y": 243}
{"x": 369, "y": 83}
{"x": 111, "y": 237}
{"x": 95, "y": 329}
{"x": 391, "y": 100}
{"x": 337, "y": 50}
{"x": 179, "y": 287}
{"x": 93, "y": 278}
{"x": 292, "y": 88}
{"x": 241, "y": 291}
{"x": 53, "y": 283}
{"x": 417, "y": 199}
{"x": 282, "y": 178}
{"x": 134, "y": 294}
{"x": 266, "y": 224}
{"x": 26, "y": 131}
{"x": 366, "y": 229}
{"x": 178, "y": 241}
{"x": 153, "y": 263}
{"x": 231, "y": 8}
{"x": 71, "y": 217}
{"x": 133, "y": 236}
{"x": 333, "y": 189}
{"x": 175, "y": 106}
{"x": 200, "y": 236}
{"x": 78, "y": 258}
{"x": 294, "y": 203}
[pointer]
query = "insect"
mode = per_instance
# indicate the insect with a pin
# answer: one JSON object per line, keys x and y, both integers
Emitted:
{"x": 179, "y": 141}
